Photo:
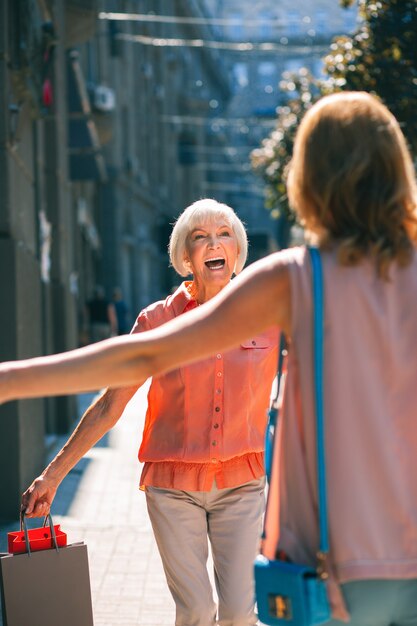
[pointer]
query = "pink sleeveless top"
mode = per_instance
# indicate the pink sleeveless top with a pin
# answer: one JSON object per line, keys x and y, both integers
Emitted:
{"x": 370, "y": 377}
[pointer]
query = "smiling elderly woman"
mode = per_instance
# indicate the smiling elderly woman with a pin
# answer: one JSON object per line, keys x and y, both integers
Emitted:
{"x": 203, "y": 438}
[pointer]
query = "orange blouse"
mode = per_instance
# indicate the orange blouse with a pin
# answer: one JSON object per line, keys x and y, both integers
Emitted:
{"x": 206, "y": 420}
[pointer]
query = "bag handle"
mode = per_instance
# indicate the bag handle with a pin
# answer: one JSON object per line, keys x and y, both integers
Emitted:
{"x": 318, "y": 362}
{"x": 274, "y": 408}
{"x": 24, "y": 528}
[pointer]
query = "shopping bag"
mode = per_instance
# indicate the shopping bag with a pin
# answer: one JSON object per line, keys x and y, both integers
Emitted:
{"x": 47, "y": 587}
{"x": 39, "y": 539}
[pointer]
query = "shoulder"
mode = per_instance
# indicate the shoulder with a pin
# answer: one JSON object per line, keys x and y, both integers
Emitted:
{"x": 279, "y": 261}
{"x": 273, "y": 272}
{"x": 263, "y": 290}
{"x": 276, "y": 276}
{"x": 289, "y": 257}
{"x": 162, "y": 311}
{"x": 153, "y": 315}
{"x": 288, "y": 267}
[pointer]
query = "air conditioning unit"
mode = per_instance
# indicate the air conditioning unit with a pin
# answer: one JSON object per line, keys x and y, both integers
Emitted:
{"x": 104, "y": 99}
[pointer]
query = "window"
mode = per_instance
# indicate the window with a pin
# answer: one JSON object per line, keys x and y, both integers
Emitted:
{"x": 240, "y": 73}
{"x": 321, "y": 22}
{"x": 267, "y": 73}
{"x": 266, "y": 68}
{"x": 235, "y": 26}
{"x": 294, "y": 23}
{"x": 265, "y": 26}
{"x": 294, "y": 65}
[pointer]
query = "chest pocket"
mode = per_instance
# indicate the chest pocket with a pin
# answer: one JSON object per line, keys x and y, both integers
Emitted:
{"x": 260, "y": 343}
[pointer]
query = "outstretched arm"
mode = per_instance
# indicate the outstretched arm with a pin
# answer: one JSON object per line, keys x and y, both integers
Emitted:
{"x": 254, "y": 301}
{"x": 99, "y": 418}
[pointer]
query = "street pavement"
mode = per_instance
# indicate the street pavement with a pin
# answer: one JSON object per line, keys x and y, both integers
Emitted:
{"x": 99, "y": 503}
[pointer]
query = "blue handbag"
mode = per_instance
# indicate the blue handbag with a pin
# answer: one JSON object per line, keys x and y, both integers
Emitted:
{"x": 288, "y": 594}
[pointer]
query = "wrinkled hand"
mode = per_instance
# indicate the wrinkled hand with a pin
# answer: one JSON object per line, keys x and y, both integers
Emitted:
{"x": 38, "y": 498}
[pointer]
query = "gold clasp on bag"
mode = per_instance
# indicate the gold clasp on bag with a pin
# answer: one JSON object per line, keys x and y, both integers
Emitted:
{"x": 280, "y": 606}
{"x": 322, "y": 569}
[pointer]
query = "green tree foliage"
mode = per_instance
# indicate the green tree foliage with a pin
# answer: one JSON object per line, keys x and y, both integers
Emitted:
{"x": 381, "y": 58}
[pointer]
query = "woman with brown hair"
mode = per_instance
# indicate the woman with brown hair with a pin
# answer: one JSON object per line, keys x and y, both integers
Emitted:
{"x": 352, "y": 184}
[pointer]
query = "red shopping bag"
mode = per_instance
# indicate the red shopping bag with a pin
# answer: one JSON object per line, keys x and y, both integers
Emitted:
{"x": 39, "y": 539}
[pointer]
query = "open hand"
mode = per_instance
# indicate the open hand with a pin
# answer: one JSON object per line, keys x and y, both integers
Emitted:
{"x": 38, "y": 498}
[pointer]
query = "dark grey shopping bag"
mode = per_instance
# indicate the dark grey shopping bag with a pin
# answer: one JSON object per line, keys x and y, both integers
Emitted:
{"x": 46, "y": 588}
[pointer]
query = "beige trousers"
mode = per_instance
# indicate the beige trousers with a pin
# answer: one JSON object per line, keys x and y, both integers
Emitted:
{"x": 183, "y": 522}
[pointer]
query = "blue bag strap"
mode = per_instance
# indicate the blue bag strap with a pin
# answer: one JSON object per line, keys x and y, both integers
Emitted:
{"x": 274, "y": 410}
{"x": 318, "y": 361}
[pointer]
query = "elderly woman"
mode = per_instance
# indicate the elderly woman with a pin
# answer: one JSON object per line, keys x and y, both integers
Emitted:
{"x": 352, "y": 184}
{"x": 202, "y": 445}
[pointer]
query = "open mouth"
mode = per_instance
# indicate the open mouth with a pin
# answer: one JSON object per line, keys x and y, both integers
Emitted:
{"x": 215, "y": 264}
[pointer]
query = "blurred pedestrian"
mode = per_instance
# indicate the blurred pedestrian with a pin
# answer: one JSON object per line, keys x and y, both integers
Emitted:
{"x": 352, "y": 184}
{"x": 101, "y": 316}
{"x": 121, "y": 309}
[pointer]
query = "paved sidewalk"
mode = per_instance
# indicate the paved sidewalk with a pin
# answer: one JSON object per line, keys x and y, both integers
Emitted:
{"x": 99, "y": 503}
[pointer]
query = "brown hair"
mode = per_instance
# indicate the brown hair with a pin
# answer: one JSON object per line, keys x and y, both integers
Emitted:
{"x": 351, "y": 180}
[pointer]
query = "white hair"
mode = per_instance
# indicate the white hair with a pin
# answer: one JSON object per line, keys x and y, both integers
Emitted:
{"x": 197, "y": 213}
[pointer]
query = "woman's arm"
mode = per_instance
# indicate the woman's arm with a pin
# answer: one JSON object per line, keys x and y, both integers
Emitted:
{"x": 254, "y": 301}
{"x": 98, "y": 419}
